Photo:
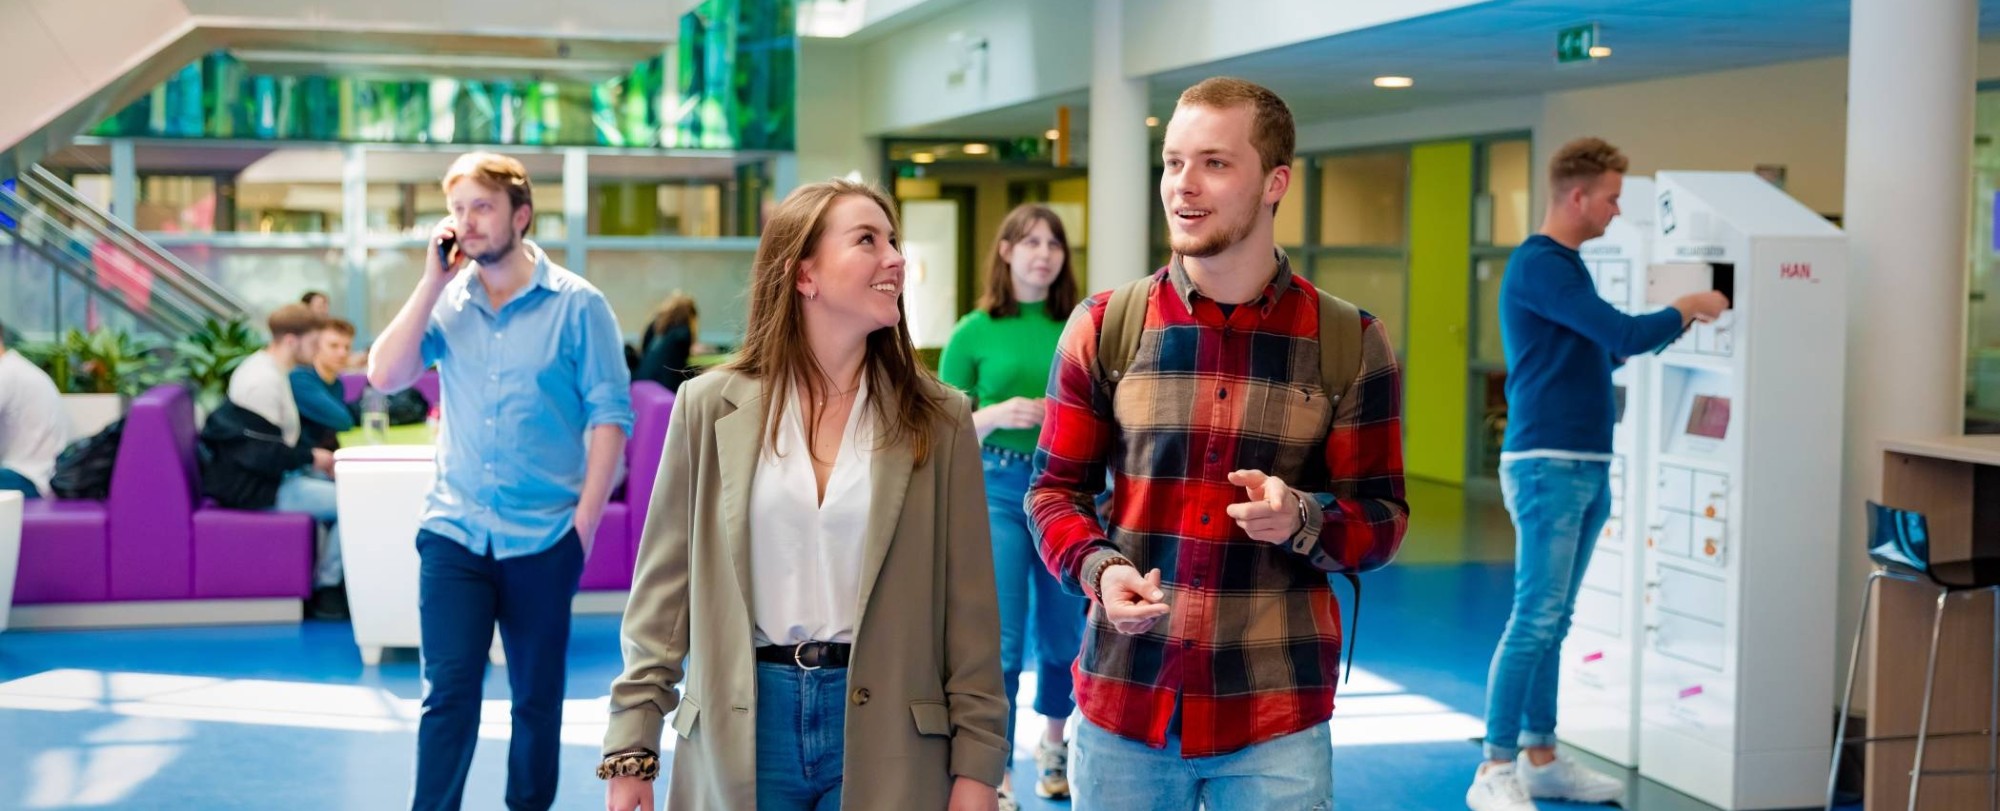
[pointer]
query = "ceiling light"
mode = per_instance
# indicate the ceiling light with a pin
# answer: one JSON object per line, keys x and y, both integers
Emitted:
{"x": 1152, "y": 121}
{"x": 1394, "y": 82}
{"x": 1053, "y": 135}
{"x": 923, "y": 157}
{"x": 1600, "y": 51}
{"x": 977, "y": 149}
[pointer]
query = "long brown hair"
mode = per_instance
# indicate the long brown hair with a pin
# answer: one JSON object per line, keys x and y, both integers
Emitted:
{"x": 774, "y": 347}
{"x": 999, "y": 301}
{"x": 677, "y": 310}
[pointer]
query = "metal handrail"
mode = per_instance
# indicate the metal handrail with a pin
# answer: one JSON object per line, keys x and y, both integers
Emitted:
{"x": 62, "y": 247}
{"x": 164, "y": 264}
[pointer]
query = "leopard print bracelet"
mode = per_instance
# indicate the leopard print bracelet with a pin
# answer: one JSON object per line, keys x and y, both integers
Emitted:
{"x": 643, "y": 765}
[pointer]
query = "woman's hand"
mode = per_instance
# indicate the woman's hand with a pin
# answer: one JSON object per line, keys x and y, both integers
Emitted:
{"x": 627, "y": 793}
{"x": 967, "y": 794}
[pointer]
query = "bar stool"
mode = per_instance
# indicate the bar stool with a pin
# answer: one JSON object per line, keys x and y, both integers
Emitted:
{"x": 1899, "y": 543}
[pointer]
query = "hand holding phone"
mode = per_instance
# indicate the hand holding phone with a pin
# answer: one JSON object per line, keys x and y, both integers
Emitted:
{"x": 446, "y": 257}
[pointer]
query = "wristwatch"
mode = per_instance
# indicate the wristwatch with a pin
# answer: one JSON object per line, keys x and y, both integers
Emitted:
{"x": 1302, "y": 516}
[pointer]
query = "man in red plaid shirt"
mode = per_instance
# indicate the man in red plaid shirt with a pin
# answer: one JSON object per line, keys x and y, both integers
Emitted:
{"x": 1240, "y": 480}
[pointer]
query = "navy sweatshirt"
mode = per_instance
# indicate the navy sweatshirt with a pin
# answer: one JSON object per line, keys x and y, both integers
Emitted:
{"x": 1562, "y": 342}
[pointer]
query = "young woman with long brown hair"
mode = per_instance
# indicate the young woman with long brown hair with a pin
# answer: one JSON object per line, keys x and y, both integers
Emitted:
{"x": 813, "y": 600}
{"x": 1000, "y": 354}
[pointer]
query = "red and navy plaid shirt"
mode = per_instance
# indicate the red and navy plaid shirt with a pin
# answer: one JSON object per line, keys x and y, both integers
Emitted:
{"x": 1251, "y": 648}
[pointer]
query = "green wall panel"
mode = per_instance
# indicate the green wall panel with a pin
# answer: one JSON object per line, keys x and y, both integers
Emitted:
{"x": 1440, "y": 308}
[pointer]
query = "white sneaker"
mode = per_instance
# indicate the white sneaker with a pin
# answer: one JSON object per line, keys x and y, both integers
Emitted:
{"x": 1565, "y": 779}
{"x": 1498, "y": 788}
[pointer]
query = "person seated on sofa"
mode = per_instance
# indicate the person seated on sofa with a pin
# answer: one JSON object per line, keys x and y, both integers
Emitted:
{"x": 260, "y": 457}
{"x": 33, "y": 426}
{"x": 323, "y": 409}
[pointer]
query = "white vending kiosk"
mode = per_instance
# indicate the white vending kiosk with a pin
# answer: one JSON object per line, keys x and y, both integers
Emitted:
{"x": 1598, "y": 697}
{"x": 1743, "y": 511}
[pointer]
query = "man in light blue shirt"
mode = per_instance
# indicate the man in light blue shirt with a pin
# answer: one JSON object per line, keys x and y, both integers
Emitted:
{"x": 536, "y": 406}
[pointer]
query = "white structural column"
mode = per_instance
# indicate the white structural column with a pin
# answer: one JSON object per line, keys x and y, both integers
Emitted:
{"x": 1911, "y": 81}
{"x": 1122, "y": 196}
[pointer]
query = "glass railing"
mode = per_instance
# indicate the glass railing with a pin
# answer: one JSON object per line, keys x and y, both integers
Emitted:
{"x": 81, "y": 264}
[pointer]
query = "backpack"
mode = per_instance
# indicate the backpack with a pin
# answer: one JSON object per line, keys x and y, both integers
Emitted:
{"x": 83, "y": 470}
{"x": 1125, "y": 320}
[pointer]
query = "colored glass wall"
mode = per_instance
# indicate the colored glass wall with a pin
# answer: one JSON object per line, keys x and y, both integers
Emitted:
{"x": 728, "y": 84}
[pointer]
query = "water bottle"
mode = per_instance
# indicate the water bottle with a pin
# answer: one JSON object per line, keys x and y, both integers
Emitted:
{"x": 375, "y": 416}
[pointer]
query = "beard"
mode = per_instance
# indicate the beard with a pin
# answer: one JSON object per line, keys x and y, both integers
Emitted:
{"x": 498, "y": 252}
{"x": 1219, "y": 240}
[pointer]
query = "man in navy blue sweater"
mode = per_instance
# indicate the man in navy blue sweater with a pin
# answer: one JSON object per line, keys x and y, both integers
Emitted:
{"x": 1562, "y": 341}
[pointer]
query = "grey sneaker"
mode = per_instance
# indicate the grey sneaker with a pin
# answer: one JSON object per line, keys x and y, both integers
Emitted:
{"x": 1565, "y": 779}
{"x": 1498, "y": 788}
{"x": 1007, "y": 802}
{"x": 1053, "y": 763}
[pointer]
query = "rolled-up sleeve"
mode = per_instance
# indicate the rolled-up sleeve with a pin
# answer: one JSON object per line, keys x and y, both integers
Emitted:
{"x": 601, "y": 374}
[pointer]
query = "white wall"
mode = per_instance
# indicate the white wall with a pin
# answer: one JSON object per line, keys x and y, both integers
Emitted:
{"x": 831, "y": 142}
{"x": 1035, "y": 49}
{"x": 1793, "y": 114}
{"x": 1163, "y": 35}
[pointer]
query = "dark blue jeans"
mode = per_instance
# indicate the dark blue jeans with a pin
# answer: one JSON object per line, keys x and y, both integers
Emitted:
{"x": 460, "y": 597}
{"x": 10, "y": 480}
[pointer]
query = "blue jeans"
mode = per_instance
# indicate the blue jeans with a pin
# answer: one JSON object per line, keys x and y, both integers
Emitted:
{"x": 11, "y": 480}
{"x": 1027, "y": 590}
{"x": 305, "y": 492}
{"x": 1113, "y": 773}
{"x": 1559, "y": 507}
{"x": 459, "y": 597}
{"x": 801, "y": 737}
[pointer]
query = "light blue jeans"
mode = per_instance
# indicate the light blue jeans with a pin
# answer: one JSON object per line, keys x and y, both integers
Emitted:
{"x": 1113, "y": 773}
{"x": 303, "y": 492}
{"x": 1030, "y": 598}
{"x": 801, "y": 737}
{"x": 1559, "y": 507}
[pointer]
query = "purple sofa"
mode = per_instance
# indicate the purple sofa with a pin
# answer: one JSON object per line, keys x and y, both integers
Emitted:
{"x": 155, "y": 537}
{"x": 352, "y": 384}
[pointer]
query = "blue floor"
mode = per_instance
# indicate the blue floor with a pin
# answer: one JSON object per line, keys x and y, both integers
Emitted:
{"x": 287, "y": 717}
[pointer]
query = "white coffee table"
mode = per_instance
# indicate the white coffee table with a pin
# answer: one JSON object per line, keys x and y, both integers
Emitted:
{"x": 380, "y": 491}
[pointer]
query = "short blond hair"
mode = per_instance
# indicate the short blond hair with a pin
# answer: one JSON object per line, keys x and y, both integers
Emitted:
{"x": 1271, "y": 132}
{"x": 497, "y": 172}
{"x": 1582, "y": 161}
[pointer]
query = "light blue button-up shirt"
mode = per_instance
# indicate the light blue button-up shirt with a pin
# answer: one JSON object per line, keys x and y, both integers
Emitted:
{"x": 520, "y": 389}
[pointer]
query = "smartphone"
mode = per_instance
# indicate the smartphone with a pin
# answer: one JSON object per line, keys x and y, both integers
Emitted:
{"x": 445, "y": 247}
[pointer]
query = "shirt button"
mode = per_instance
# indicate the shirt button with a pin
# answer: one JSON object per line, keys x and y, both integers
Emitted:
{"x": 1197, "y": 582}
{"x": 1221, "y": 394}
{"x": 1187, "y": 643}
{"x": 1213, "y": 456}
{"x": 1204, "y": 518}
{"x": 496, "y": 336}
{"x": 861, "y": 696}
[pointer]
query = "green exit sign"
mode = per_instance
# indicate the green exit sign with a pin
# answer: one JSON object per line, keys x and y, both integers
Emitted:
{"x": 1574, "y": 44}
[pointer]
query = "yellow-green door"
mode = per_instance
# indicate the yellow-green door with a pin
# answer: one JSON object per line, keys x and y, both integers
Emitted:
{"x": 1434, "y": 387}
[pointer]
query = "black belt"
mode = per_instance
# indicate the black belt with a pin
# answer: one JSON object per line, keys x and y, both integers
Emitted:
{"x": 807, "y": 655}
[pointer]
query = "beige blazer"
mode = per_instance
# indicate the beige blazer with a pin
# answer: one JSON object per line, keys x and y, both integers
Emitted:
{"x": 924, "y": 702}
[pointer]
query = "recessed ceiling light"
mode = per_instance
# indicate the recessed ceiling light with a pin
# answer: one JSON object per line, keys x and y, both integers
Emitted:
{"x": 923, "y": 157}
{"x": 977, "y": 149}
{"x": 1600, "y": 51}
{"x": 1152, "y": 121}
{"x": 1394, "y": 82}
{"x": 1053, "y": 135}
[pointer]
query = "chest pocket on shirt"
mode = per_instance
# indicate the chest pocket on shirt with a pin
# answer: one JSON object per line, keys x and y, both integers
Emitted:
{"x": 1287, "y": 426}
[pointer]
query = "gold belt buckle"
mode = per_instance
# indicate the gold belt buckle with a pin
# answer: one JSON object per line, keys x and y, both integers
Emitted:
{"x": 798, "y": 653}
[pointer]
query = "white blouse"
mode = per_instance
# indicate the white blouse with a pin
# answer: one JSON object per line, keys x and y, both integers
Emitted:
{"x": 805, "y": 557}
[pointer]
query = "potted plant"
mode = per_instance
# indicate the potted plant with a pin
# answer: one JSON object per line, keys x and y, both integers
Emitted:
{"x": 98, "y": 372}
{"x": 205, "y": 359}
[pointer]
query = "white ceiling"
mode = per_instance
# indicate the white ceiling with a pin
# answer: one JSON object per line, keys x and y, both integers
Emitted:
{"x": 1497, "y": 49}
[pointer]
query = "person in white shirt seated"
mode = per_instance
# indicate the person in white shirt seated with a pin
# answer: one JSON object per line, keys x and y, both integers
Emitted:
{"x": 260, "y": 458}
{"x": 33, "y": 426}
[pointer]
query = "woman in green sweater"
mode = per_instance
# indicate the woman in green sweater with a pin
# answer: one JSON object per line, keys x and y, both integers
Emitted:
{"x": 1000, "y": 354}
